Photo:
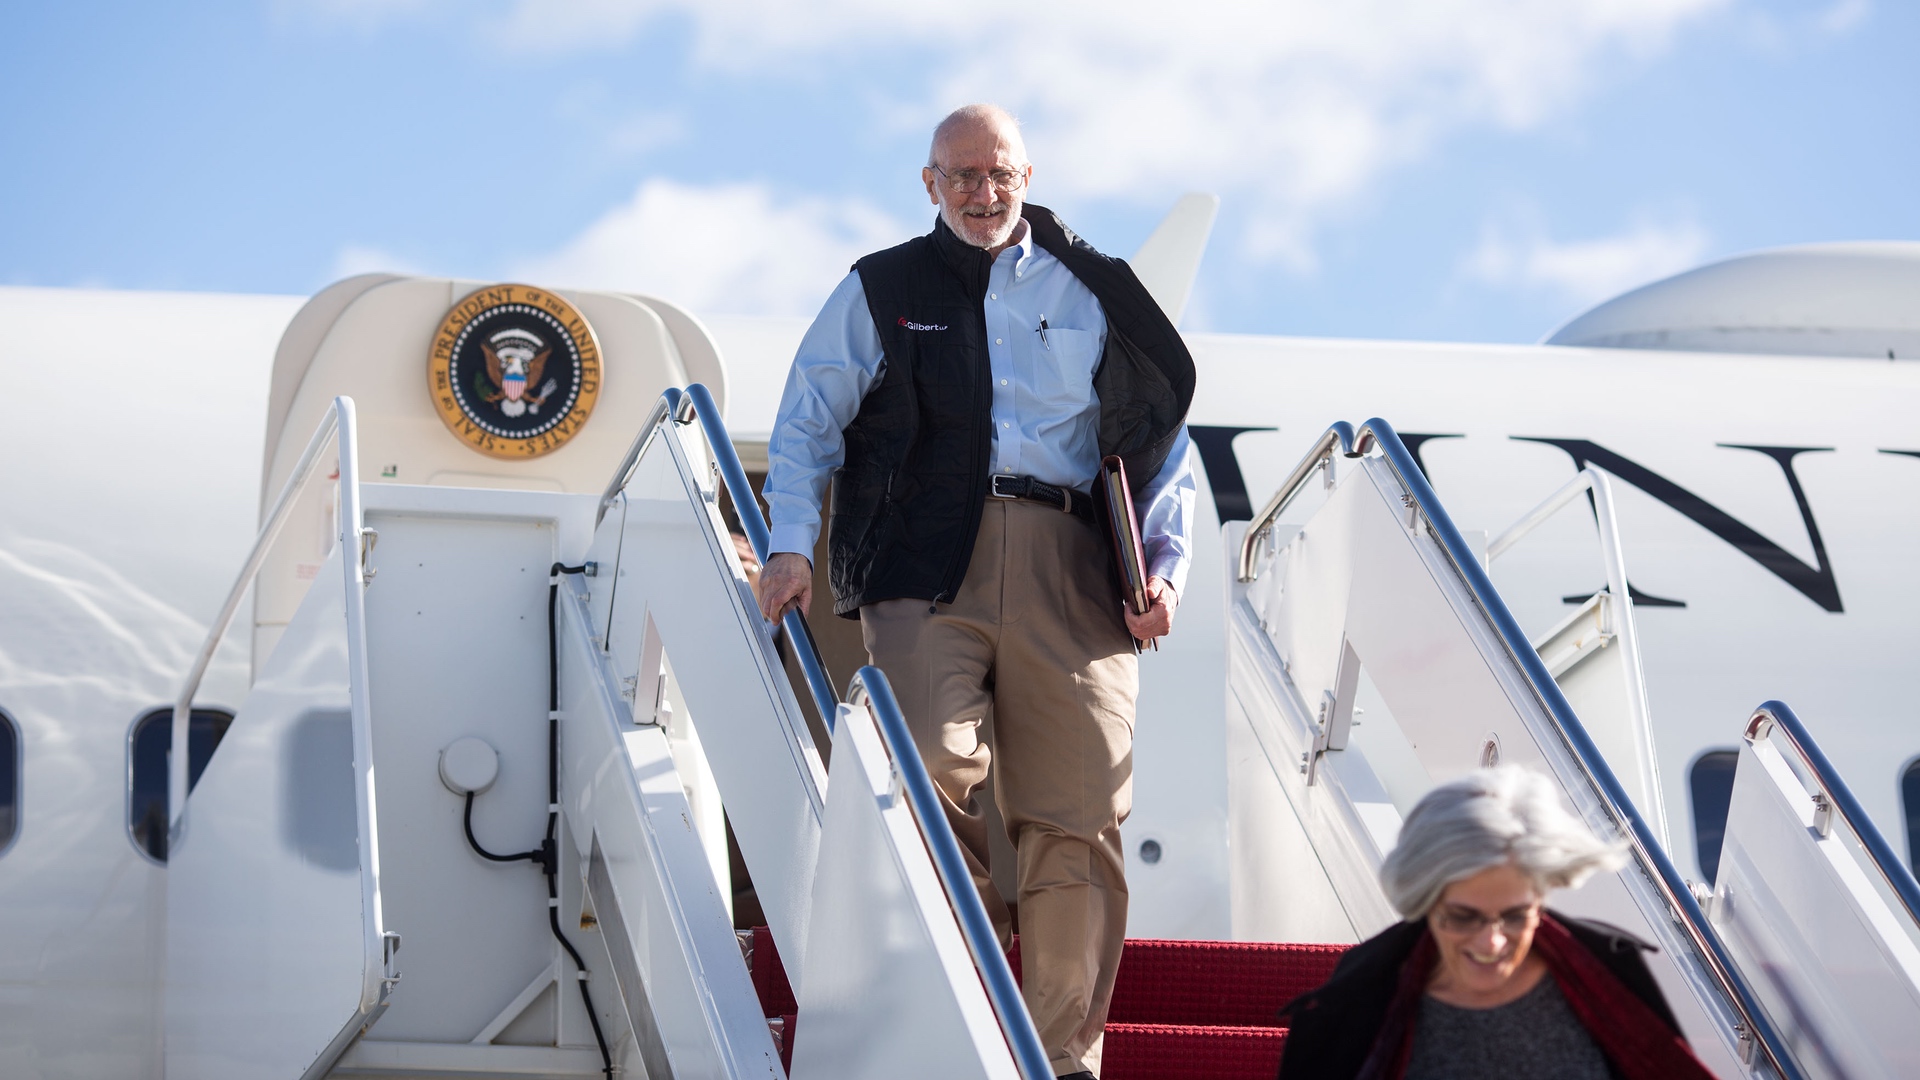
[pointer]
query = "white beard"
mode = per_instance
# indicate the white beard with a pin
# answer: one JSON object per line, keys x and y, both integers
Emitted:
{"x": 969, "y": 228}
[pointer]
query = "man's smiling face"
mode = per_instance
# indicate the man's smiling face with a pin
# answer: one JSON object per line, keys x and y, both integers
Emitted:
{"x": 987, "y": 216}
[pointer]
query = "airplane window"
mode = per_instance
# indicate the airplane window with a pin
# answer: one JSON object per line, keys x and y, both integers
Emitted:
{"x": 9, "y": 780}
{"x": 1711, "y": 780}
{"x": 1910, "y": 804}
{"x": 149, "y": 748}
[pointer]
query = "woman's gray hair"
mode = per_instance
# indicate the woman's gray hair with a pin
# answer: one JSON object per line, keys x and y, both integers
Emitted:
{"x": 1488, "y": 817}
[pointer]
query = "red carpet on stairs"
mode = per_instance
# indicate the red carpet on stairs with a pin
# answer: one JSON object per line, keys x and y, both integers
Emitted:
{"x": 1182, "y": 1010}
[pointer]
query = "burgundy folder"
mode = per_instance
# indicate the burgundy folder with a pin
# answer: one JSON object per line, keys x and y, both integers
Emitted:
{"x": 1114, "y": 498}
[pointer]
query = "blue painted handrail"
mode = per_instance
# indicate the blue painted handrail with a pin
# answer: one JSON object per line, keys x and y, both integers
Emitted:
{"x": 683, "y": 407}
{"x": 699, "y": 402}
{"x": 1378, "y": 433}
{"x": 870, "y": 686}
{"x": 1897, "y": 875}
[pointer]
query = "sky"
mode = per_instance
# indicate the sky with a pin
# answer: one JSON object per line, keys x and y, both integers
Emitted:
{"x": 1469, "y": 170}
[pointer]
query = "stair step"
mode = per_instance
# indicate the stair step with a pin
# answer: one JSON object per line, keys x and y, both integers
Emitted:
{"x": 770, "y": 976}
{"x": 1211, "y": 983}
{"x": 1191, "y": 1052}
{"x": 1180, "y": 1008}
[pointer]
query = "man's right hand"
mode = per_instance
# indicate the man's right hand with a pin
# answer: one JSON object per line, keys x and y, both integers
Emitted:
{"x": 786, "y": 581}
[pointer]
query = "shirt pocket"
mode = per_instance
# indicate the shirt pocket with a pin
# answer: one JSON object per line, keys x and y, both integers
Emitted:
{"x": 1063, "y": 369}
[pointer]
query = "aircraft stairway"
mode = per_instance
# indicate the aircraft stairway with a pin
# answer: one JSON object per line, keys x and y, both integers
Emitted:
{"x": 1370, "y": 657}
{"x": 469, "y": 820}
{"x": 1814, "y": 903}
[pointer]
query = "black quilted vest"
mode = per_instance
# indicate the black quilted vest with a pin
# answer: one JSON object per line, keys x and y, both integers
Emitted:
{"x": 907, "y": 502}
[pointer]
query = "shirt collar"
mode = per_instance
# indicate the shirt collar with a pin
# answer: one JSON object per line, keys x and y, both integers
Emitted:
{"x": 1022, "y": 247}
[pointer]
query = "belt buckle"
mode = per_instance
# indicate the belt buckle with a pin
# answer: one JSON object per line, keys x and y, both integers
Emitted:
{"x": 994, "y": 487}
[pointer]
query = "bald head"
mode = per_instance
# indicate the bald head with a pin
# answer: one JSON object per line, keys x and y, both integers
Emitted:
{"x": 979, "y": 147}
{"x": 972, "y": 121}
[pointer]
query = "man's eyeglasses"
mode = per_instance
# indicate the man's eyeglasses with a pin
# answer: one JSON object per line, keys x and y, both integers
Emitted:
{"x": 1467, "y": 921}
{"x": 967, "y": 181}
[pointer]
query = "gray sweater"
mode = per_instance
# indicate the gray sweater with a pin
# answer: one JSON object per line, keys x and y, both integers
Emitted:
{"x": 1534, "y": 1038}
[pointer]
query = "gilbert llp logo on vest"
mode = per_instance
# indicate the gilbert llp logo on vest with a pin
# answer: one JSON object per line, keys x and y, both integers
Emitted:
{"x": 918, "y": 326}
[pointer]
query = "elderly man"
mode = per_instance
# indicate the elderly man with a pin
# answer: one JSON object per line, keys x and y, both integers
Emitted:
{"x": 960, "y": 390}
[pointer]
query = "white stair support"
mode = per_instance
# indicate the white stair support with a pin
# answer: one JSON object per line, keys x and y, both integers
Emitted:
{"x": 890, "y": 989}
{"x": 1835, "y": 962}
{"x": 519, "y": 1004}
{"x": 265, "y": 926}
{"x": 1366, "y": 576}
{"x": 1594, "y": 653}
{"x": 674, "y": 956}
{"x": 278, "y": 953}
{"x": 373, "y": 1057}
{"x": 667, "y": 565}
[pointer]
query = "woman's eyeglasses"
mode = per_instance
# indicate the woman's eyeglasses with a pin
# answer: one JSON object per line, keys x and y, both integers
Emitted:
{"x": 1465, "y": 920}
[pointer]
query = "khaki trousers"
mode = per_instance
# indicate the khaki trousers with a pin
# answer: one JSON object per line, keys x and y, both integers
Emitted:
{"x": 1035, "y": 640}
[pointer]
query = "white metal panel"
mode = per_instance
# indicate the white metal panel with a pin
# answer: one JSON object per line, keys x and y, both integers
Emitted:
{"x": 1835, "y": 964}
{"x": 679, "y": 966}
{"x": 458, "y": 630}
{"x": 1264, "y": 703}
{"x": 889, "y": 989}
{"x": 1598, "y": 684}
{"x": 266, "y": 923}
{"x": 1280, "y": 889}
{"x": 666, "y": 558}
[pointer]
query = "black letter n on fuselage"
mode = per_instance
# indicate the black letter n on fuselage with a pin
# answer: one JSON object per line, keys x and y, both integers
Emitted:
{"x": 1815, "y": 582}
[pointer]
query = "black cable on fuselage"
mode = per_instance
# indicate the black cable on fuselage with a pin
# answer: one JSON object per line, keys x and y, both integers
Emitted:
{"x": 548, "y": 855}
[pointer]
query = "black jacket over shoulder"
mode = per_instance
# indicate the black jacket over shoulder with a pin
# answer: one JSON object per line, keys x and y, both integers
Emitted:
{"x": 907, "y": 502}
{"x": 1333, "y": 1028}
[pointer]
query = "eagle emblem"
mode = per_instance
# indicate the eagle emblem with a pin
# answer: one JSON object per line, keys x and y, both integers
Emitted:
{"x": 515, "y": 360}
{"x": 514, "y": 370}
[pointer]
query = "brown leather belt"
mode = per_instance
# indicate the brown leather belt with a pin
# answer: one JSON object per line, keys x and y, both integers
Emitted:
{"x": 1026, "y": 488}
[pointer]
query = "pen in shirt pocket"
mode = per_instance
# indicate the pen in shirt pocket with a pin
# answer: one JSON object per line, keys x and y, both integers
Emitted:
{"x": 1043, "y": 334}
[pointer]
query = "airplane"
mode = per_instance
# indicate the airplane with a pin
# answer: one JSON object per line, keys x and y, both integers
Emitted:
{"x": 1728, "y": 448}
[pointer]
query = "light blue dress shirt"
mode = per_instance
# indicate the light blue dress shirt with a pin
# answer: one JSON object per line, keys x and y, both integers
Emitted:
{"x": 1044, "y": 406}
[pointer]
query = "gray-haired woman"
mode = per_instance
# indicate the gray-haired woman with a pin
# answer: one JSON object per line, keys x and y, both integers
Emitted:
{"x": 1481, "y": 979}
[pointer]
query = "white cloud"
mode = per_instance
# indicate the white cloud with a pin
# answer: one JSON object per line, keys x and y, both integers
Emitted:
{"x": 1585, "y": 271}
{"x": 1292, "y": 108}
{"x": 1294, "y": 105}
{"x": 732, "y": 248}
{"x": 1844, "y": 15}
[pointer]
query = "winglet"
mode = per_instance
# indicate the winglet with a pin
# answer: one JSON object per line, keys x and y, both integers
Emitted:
{"x": 1167, "y": 262}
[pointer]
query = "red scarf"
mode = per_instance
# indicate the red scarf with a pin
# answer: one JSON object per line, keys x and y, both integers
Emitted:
{"x": 1635, "y": 1040}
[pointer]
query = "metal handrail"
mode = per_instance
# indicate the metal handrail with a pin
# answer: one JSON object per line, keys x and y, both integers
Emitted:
{"x": 1587, "y": 479}
{"x": 696, "y": 403}
{"x": 1840, "y": 797}
{"x": 379, "y": 969}
{"x": 869, "y": 687}
{"x": 337, "y": 419}
{"x": 1339, "y": 437}
{"x": 1646, "y": 847}
{"x": 1613, "y": 561}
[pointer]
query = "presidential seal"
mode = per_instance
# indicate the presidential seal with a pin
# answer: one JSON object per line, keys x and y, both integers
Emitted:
{"x": 514, "y": 371}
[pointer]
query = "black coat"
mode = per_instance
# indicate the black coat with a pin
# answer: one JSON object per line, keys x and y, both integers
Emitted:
{"x": 1332, "y": 1029}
